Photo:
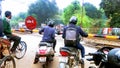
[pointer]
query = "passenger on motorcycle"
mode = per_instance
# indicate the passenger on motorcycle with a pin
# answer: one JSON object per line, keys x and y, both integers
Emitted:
{"x": 7, "y": 31}
{"x": 48, "y": 35}
{"x": 79, "y": 31}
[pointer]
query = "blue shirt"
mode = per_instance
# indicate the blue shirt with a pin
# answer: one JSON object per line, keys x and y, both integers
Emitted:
{"x": 79, "y": 31}
{"x": 49, "y": 33}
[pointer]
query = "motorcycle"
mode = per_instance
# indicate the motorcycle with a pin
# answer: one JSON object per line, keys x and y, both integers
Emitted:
{"x": 45, "y": 53}
{"x": 105, "y": 57}
{"x": 69, "y": 58}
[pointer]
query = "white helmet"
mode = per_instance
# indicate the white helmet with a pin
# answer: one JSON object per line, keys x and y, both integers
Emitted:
{"x": 73, "y": 20}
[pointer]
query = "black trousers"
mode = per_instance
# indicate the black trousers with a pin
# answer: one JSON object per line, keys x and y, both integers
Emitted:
{"x": 16, "y": 40}
{"x": 54, "y": 43}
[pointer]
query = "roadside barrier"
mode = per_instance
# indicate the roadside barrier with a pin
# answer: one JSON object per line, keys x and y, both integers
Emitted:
{"x": 113, "y": 37}
{"x": 105, "y": 36}
{"x": 24, "y": 30}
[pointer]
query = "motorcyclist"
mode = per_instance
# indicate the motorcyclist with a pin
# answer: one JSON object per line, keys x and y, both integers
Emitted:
{"x": 48, "y": 35}
{"x": 72, "y": 23}
{"x": 7, "y": 31}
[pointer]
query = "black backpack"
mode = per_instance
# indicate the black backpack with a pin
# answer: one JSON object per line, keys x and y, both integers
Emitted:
{"x": 70, "y": 36}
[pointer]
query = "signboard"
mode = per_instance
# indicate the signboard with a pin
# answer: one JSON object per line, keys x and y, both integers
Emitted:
{"x": 30, "y": 22}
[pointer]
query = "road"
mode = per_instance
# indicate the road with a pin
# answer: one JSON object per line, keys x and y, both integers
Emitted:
{"x": 32, "y": 41}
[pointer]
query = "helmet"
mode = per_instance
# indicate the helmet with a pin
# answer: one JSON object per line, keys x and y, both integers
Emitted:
{"x": 114, "y": 56}
{"x": 7, "y": 13}
{"x": 73, "y": 20}
{"x": 51, "y": 23}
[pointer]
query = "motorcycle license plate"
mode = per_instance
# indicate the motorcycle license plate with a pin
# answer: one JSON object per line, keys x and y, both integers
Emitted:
{"x": 72, "y": 57}
{"x": 42, "y": 59}
{"x": 63, "y": 59}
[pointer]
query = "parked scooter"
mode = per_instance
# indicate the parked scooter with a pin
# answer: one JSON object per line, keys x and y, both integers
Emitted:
{"x": 45, "y": 53}
{"x": 69, "y": 58}
{"x": 106, "y": 57}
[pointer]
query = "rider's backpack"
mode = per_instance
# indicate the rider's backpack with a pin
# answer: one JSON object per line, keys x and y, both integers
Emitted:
{"x": 71, "y": 36}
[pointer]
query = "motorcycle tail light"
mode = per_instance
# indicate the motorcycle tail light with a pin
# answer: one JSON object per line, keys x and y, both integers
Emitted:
{"x": 106, "y": 51}
{"x": 64, "y": 53}
{"x": 42, "y": 52}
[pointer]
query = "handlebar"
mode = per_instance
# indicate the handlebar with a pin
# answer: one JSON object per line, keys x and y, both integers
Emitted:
{"x": 96, "y": 53}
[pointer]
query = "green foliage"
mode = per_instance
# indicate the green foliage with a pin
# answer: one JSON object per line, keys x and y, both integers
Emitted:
{"x": 112, "y": 10}
{"x": 43, "y": 10}
{"x": 19, "y": 18}
{"x": 84, "y": 21}
{"x": 115, "y": 21}
{"x": 72, "y": 9}
{"x": 92, "y": 11}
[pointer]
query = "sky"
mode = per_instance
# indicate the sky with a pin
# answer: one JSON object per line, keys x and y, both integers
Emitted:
{"x": 17, "y": 6}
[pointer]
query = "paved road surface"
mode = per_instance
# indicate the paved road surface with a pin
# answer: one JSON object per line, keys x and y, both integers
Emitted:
{"x": 32, "y": 41}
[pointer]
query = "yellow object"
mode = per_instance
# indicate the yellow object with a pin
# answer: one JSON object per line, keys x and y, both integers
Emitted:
{"x": 112, "y": 37}
{"x": 91, "y": 35}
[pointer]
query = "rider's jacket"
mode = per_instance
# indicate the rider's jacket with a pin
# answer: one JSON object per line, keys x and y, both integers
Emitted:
{"x": 1, "y": 28}
{"x": 6, "y": 27}
{"x": 48, "y": 33}
{"x": 79, "y": 31}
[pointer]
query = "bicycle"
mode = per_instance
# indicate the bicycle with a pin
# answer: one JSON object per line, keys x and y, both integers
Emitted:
{"x": 20, "y": 50}
{"x": 7, "y": 62}
{"x": 6, "y": 56}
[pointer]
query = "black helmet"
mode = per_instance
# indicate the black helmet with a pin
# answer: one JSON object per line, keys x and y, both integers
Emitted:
{"x": 73, "y": 20}
{"x": 7, "y": 13}
{"x": 51, "y": 23}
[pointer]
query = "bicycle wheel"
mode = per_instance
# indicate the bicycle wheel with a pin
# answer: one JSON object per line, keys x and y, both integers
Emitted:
{"x": 7, "y": 62}
{"x": 21, "y": 50}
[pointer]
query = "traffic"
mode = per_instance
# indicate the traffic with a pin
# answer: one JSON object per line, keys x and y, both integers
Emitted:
{"x": 80, "y": 35}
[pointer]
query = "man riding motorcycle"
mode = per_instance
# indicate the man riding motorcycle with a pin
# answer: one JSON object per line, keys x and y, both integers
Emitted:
{"x": 79, "y": 31}
{"x": 48, "y": 36}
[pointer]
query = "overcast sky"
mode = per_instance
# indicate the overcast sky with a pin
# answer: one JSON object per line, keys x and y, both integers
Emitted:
{"x": 17, "y": 6}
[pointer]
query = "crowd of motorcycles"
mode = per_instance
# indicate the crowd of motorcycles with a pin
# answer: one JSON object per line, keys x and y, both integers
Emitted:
{"x": 105, "y": 57}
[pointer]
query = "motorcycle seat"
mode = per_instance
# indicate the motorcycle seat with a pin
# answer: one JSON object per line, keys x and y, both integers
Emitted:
{"x": 46, "y": 44}
{"x": 70, "y": 50}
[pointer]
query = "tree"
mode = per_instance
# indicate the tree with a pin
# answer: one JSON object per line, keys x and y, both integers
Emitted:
{"x": 112, "y": 11}
{"x": 96, "y": 14}
{"x": 75, "y": 9}
{"x": 92, "y": 11}
{"x": 70, "y": 11}
{"x": 43, "y": 10}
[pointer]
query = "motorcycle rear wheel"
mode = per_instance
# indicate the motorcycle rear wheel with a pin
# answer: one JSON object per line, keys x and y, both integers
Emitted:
{"x": 44, "y": 66}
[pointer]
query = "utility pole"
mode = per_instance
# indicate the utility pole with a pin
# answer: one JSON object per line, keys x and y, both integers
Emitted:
{"x": 82, "y": 12}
